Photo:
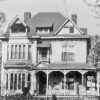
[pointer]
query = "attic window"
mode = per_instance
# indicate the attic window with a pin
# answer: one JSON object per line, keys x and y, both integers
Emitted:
{"x": 18, "y": 27}
{"x": 71, "y": 29}
{"x": 43, "y": 30}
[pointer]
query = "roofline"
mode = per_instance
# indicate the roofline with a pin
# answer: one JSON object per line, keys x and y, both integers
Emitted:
{"x": 62, "y": 37}
{"x": 72, "y": 23}
{"x": 15, "y": 19}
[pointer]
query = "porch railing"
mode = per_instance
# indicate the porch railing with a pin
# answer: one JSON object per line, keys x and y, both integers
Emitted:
{"x": 44, "y": 59}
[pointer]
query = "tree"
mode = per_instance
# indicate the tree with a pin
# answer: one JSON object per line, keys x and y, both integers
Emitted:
{"x": 94, "y": 53}
{"x": 2, "y": 21}
{"x": 94, "y": 6}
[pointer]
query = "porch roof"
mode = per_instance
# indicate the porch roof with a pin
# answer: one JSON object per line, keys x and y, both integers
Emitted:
{"x": 44, "y": 44}
{"x": 18, "y": 64}
{"x": 70, "y": 66}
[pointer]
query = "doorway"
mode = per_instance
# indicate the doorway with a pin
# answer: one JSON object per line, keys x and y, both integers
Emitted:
{"x": 41, "y": 83}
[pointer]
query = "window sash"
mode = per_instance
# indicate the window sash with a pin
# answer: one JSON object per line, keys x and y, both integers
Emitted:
{"x": 29, "y": 52}
{"x": 71, "y": 29}
{"x": 16, "y": 52}
{"x": 11, "y": 81}
{"x": 19, "y": 81}
{"x": 15, "y": 82}
{"x": 67, "y": 56}
{"x": 7, "y": 82}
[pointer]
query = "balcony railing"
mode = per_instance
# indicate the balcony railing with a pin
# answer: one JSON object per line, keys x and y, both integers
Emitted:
{"x": 44, "y": 59}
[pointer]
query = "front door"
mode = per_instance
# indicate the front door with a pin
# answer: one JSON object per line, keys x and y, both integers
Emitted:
{"x": 42, "y": 84}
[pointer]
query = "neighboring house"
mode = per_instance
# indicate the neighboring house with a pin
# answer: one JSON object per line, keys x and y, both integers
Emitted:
{"x": 48, "y": 54}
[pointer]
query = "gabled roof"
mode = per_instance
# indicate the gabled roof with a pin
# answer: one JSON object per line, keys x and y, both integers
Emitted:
{"x": 69, "y": 19}
{"x": 17, "y": 17}
{"x": 47, "y": 19}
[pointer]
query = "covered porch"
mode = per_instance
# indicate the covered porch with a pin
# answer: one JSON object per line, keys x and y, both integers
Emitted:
{"x": 67, "y": 82}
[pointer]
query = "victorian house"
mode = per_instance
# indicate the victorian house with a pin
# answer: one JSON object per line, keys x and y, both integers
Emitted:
{"x": 48, "y": 54}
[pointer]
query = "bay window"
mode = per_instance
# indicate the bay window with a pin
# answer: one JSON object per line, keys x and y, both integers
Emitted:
{"x": 18, "y": 52}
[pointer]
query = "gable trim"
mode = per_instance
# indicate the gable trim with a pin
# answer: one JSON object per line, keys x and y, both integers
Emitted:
{"x": 69, "y": 19}
{"x": 15, "y": 20}
{"x": 40, "y": 63}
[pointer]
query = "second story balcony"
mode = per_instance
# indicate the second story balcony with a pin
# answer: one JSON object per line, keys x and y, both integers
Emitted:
{"x": 43, "y": 52}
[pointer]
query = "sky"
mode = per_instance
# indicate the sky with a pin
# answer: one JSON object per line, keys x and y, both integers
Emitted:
{"x": 85, "y": 17}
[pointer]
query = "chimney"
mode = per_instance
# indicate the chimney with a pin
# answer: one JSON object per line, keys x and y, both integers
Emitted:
{"x": 74, "y": 18}
{"x": 84, "y": 30}
{"x": 27, "y": 16}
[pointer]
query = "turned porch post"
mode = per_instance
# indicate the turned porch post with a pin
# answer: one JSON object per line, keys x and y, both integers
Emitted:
{"x": 82, "y": 84}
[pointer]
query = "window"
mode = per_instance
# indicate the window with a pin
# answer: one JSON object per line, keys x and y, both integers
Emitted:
{"x": 16, "y": 47}
{"x": 29, "y": 52}
{"x": 23, "y": 81}
{"x": 8, "y": 52}
{"x": 7, "y": 82}
{"x": 64, "y": 56}
{"x": 67, "y": 56}
{"x": 44, "y": 52}
{"x": 43, "y": 30}
{"x": 29, "y": 81}
{"x": 71, "y": 29}
{"x": 12, "y": 51}
{"x": 11, "y": 81}
{"x": 23, "y": 51}
{"x": 18, "y": 27}
{"x": 15, "y": 82}
{"x": 19, "y": 51}
{"x": 19, "y": 81}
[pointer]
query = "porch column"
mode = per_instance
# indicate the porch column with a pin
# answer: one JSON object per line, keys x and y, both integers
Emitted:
{"x": 9, "y": 81}
{"x": 47, "y": 83}
{"x": 82, "y": 84}
{"x": 33, "y": 82}
{"x": 98, "y": 83}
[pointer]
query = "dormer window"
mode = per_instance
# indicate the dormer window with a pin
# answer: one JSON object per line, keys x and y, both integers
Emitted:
{"x": 44, "y": 30}
{"x": 18, "y": 27}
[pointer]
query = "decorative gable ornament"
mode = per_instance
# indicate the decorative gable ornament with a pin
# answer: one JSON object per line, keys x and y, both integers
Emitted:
{"x": 41, "y": 65}
{"x": 17, "y": 19}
